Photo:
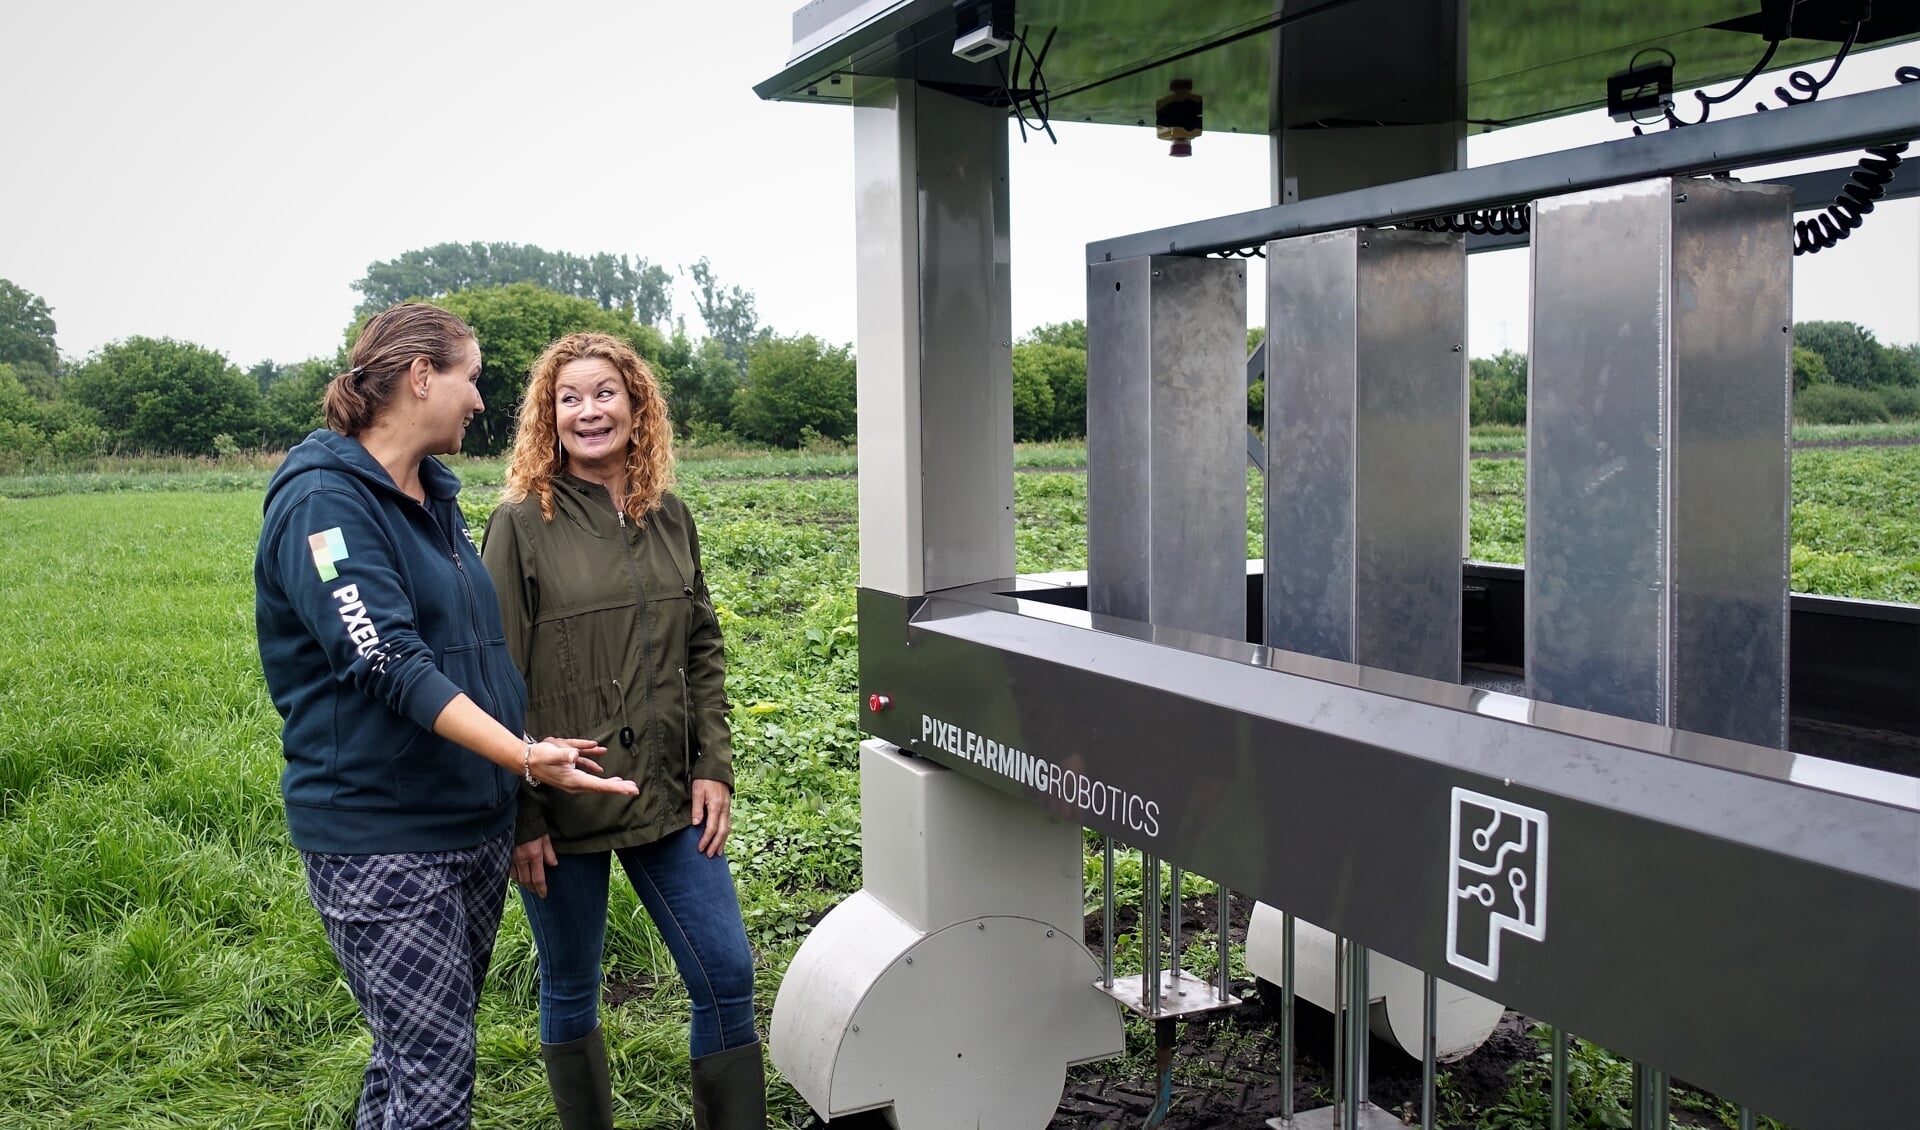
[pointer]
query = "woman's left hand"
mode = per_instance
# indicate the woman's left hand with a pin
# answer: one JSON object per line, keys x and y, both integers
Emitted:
{"x": 712, "y": 803}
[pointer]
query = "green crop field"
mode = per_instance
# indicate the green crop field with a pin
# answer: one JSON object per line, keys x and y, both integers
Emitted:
{"x": 159, "y": 963}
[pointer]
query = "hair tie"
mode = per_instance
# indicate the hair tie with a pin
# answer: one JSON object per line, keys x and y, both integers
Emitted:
{"x": 357, "y": 371}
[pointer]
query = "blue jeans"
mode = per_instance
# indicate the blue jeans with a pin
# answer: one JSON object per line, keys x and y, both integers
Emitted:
{"x": 692, "y": 902}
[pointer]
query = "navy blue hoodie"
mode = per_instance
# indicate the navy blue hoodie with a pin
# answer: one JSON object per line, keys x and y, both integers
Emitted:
{"x": 373, "y": 612}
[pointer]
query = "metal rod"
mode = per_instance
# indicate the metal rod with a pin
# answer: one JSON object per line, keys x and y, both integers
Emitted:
{"x": 1173, "y": 915}
{"x": 1286, "y": 1017}
{"x": 1356, "y": 1035}
{"x": 1106, "y": 911}
{"x": 1150, "y": 932}
{"x": 1339, "y": 999}
{"x": 1747, "y": 1120}
{"x": 1163, "y": 1034}
{"x": 1429, "y": 1058}
{"x": 1223, "y": 969}
{"x": 1558, "y": 1119}
{"x": 1826, "y": 126}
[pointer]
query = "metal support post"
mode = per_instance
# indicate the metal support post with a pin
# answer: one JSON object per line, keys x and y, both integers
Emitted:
{"x": 1649, "y": 1098}
{"x": 1106, "y": 912}
{"x": 1557, "y": 1120}
{"x": 1339, "y": 999}
{"x": 1356, "y": 1035}
{"x": 1430, "y": 1013}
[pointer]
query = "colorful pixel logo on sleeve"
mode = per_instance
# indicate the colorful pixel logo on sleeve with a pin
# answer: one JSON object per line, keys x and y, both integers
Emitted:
{"x": 328, "y": 546}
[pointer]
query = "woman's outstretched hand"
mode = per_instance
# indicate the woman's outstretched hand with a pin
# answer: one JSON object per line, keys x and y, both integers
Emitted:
{"x": 566, "y": 764}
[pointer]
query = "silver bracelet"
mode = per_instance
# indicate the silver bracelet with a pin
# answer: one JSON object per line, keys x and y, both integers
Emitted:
{"x": 526, "y": 763}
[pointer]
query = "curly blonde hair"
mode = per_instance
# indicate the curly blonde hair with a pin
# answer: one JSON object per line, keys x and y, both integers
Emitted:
{"x": 537, "y": 454}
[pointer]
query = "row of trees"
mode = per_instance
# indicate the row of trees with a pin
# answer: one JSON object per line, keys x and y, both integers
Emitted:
{"x": 1842, "y": 374}
{"x": 160, "y": 395}
{"x": 741, "y": 379}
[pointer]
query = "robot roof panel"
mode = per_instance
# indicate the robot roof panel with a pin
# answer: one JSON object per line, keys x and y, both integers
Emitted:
{"x": 1338, "y": 62}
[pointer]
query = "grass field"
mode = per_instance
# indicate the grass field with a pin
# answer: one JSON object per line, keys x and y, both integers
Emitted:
{"x": 159, "y": 963}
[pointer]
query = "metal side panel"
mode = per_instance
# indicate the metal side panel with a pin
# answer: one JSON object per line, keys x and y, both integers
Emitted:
{"x": 1597, "y": 399}
{"x": 966, "y": 334}
{"x": 1166, "y": 454}
{"x": 1119, "y": 474}
{"x": 935, "y": 375}
{"x": 1312, "y": 367}
{"x": 1773, "y": 920}
{"x": 887, "y": 267}
{"x": 1411, "y": 417}
{"x": 1732, "y": 424}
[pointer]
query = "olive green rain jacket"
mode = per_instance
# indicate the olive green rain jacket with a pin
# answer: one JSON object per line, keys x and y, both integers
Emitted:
{"x": 612, "y": 626}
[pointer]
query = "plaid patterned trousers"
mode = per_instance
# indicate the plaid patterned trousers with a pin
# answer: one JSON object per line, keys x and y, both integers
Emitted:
{"x": 414, "y": 933}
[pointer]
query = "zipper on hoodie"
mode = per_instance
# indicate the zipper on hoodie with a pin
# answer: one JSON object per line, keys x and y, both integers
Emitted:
{"x": 473, "y": 617}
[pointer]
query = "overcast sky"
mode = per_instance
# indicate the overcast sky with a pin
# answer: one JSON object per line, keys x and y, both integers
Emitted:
{"x": 220, "y": 172}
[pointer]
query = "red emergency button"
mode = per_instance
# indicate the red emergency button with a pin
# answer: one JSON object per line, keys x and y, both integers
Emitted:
{"x": 878, "y": 702}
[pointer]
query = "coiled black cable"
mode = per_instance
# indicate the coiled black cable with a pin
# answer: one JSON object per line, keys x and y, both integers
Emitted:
{"x": 1843, "y": 217}
{"x": 1865, "y": 187}
{"x": 1509, "y": 219}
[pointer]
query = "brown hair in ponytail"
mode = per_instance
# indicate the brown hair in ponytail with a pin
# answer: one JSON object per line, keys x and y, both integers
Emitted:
{"x": 381, "y": 355}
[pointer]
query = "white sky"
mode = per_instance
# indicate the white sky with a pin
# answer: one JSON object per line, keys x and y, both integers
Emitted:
{"x": 221, "y": 170}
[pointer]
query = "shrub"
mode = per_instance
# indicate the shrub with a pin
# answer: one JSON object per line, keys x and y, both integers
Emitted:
{"x": 795, "y": 383}
{"x": 20, "y": 445}
{"x": 1839, "y": 404}
{"x": 159, "y": 395}
{"x": 1063, "y": 368}
{"x": 1497, "y": 389}
{"x": 1903, "y": 403}
{"x": 1032, "y": 404}
{"x": 79, "y": 441}
{"x": 1809, "y": 369}
{"x": 1852, "y": 353}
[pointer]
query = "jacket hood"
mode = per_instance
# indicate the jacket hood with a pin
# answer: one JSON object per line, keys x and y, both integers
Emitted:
{"x": 327, "y": 450}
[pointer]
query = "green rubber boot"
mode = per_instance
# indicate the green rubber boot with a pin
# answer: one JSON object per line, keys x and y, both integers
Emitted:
{"x": 730, "y": 1090}
{"x": 577, "y": 1075}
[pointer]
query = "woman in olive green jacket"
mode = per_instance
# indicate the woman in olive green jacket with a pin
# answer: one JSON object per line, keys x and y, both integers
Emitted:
{"x": 607, "y": 615}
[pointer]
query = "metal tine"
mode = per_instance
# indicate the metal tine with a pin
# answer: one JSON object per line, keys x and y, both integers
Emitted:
{"x": 1286, "y": 1017}
{"x": 1173, "y": 915}
{"x": 1106, "y": 912}
{"x": 1222, "y": 970}
{"x": 1150, "y": 932}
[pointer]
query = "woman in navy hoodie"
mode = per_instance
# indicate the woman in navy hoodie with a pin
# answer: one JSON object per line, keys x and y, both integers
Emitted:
{"x": 383, "y": 649}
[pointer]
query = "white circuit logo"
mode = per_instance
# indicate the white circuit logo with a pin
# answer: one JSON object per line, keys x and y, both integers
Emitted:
{"x": 1496, "y": 879}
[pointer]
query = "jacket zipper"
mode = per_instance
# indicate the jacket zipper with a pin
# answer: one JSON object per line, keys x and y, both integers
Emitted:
{"x": 646, "y": 642}
{"x": 686, "y": 727}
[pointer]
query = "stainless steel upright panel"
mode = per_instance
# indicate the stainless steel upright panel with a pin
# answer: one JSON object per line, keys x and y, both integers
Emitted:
{"x": 1366, "y": 439}
{"x": 1658, "y": 445}
{"x": 1166, "y": 442}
